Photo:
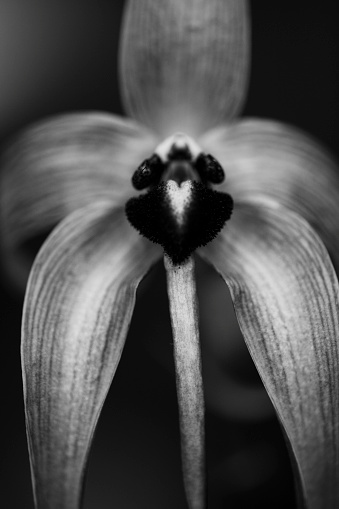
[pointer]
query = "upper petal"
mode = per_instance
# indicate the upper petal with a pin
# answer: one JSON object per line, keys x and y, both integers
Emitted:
{"x": 184, "y": 64}
{"x": 60, "y": 165}
{"x": 267, "y": 158}
{"x": 285, "y": 295}
{"x": 78, "y": 306}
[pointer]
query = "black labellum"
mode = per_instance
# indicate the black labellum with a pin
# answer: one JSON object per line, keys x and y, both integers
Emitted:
{"x": 204, "y": 217}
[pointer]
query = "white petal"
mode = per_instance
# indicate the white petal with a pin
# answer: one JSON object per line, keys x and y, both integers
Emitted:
{"x": 60, "y": 165}
{"x": 77, "y": 311}
{"x": 285, "y": 293}
{"x": 184, "y": 64}
{"x": 266, "y": 158}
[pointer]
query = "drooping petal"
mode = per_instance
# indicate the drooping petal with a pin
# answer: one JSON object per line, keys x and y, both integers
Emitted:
{"x": 77, "y": 311}
{"x": 60, "y": 165}
{"x": 184, "y": 318}
{"x": 184, "y": 64}
{"x": 267, "y": 158}
{"x": 285, "y": 295}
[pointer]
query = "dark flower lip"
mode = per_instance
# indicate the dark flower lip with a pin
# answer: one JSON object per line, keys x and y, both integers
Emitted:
{"x": 202, "y": 218}
{"x": 179, "y": 210}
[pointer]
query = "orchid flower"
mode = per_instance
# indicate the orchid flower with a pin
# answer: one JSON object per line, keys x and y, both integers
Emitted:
{"x": 181, "y": 177}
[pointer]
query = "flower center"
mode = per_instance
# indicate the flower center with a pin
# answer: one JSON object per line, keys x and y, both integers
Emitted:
{"x": 180, "y": 211}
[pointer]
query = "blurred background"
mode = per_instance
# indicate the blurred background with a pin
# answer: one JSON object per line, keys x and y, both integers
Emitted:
{"x": 60, "y": 56}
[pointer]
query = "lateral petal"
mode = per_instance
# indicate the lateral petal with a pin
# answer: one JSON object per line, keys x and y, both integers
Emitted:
{"x": 285, "y": 294}
{"x": 184, "y": 65}
{"x": 60, "y": 165}
{"x": 77, "y": 310}
{"x": 267, "y": 158}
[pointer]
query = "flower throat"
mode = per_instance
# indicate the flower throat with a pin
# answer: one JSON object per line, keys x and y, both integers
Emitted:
{"x": 179, "y": 210}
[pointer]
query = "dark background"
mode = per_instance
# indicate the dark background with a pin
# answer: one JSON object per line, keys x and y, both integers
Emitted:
{"x": 62, "y": 56}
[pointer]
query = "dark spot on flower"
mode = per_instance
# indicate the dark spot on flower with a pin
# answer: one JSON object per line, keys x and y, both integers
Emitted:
{"x": 179, "y": 211}
{"x": 148, "y": 173}
{"x": 180, "y": 154}
{"x": 203, "y": 217}
{"x": 209, "y": 169}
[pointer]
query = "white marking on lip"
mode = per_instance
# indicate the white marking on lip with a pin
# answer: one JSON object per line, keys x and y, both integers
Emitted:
{"x": 179, "y": 198}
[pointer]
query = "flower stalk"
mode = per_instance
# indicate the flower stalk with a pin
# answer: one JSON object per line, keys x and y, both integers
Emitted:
{"x": 184, "y": 318}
